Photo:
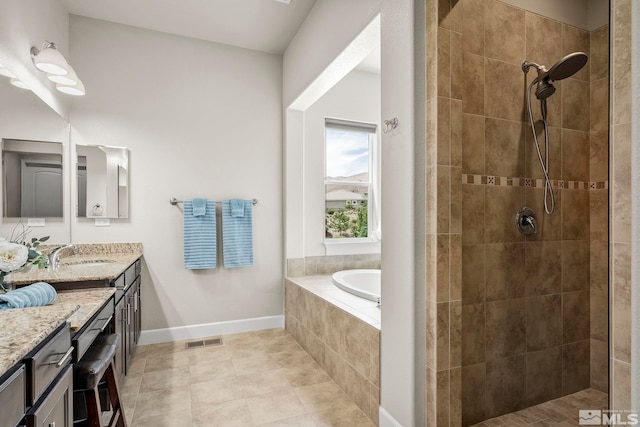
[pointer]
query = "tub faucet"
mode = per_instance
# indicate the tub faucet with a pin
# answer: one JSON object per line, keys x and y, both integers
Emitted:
{"x": 54, "y": 255}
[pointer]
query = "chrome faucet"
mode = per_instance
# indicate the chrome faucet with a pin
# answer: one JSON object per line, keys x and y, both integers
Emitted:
{"x": 55, "y": 254}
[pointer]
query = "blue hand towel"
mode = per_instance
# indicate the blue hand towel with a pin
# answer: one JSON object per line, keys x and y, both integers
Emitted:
{"x": 35, "y": 295}
{"x": 237, "y": 208}
{"x": 237, "y": 236}
{"x": 199, "y": 207}
{"x": 199, "y": 236}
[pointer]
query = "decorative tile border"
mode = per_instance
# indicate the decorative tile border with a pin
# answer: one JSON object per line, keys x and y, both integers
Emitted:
{"x": 504, "y": 181}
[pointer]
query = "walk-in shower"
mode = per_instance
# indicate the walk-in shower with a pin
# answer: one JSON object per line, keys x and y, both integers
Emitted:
{"x": 566, "y": 67}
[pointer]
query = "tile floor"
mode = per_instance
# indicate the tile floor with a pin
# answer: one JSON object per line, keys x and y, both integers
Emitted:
{"x": 562, "y": 412}
{"x": 254, "y": 379}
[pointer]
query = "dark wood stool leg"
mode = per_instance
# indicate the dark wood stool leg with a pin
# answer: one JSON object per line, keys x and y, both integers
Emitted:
{"x": 118, "y": 417}
{"x": 94, "y": 413}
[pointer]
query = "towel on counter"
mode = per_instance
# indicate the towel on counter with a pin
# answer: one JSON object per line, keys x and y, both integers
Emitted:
{"x": 199, "y": 236}
{"x": 35, "y": 295}
{"x": 237, "y": 208}
{"x": 237, "y": 235}
{"x": 199, "y": 207}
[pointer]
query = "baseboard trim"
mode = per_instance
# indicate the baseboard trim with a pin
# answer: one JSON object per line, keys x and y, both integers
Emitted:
{"x": 180, "y": 333}
{"x": 386, "y": 420}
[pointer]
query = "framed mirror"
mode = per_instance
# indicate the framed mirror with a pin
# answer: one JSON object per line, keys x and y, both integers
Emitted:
{"x": 32, "y": 179}
{"x": 102, "y": 181}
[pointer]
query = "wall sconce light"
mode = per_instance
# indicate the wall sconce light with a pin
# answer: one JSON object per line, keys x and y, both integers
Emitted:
{"x": 58, "y": 70}
{"x": 49, "y": 60}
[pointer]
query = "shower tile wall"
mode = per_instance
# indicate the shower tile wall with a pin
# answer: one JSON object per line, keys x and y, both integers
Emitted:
{"x": 508, "y": 316}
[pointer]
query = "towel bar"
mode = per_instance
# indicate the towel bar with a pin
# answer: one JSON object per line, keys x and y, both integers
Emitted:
{"x": 173, "y": 201}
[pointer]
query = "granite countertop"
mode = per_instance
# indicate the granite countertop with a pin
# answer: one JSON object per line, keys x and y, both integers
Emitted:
{"x": 89, "y": 301}
{"x": 24, "y": 328}
{"x": 88, "y": 262}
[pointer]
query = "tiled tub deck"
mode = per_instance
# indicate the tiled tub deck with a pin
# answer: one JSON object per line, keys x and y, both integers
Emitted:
{"x": 341, "y": 332}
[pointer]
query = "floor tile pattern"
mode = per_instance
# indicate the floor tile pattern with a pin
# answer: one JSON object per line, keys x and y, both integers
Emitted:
{"x": 562, "y": 412}
{"x": 259, "y": 378}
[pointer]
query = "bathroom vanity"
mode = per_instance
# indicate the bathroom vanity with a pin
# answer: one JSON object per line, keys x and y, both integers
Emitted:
{"x": 39, "y": 345}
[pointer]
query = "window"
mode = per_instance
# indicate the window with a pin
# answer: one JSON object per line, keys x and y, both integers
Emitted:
{"x": 349, "y": 179}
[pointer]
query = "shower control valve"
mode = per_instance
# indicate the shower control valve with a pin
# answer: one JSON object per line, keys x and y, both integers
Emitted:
{"x": 526, "y": 221}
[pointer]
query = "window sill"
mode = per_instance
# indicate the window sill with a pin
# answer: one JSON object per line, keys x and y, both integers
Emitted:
{"x": 352, "y": 246}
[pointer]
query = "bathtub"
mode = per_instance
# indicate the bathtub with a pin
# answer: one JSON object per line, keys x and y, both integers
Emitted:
{"x": 364, "y": 283}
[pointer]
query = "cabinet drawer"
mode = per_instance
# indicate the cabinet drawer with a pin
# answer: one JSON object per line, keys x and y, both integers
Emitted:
{"x": 12, "y": 398}
{"x": 45, "y": 365}
{"x": 130, "y": 275}
{"x": 56, "y": 410}
{"x": 83, "y": 339}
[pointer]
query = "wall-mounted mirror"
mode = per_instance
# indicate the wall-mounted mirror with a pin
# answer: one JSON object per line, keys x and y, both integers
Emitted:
{"x": 102, "y": 181}
{"x": 32, "y": 179}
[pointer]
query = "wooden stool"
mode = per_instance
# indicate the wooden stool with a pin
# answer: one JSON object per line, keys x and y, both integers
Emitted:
{"x": 97, "y": 363}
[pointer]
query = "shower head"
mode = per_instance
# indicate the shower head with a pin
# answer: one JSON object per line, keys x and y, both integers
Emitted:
{"x": 566, "y": 67}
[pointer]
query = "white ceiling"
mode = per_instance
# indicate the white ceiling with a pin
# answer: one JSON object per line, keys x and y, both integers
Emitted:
{"x": 263, "y": 25}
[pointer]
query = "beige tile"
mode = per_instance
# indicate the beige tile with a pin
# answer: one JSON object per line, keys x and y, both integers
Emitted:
{"x": 291, "y": 358}
{"x": 319, "y": 397}
{"x": 500, "y": 212}
{"x": 473, "y": 24}
{"x": 431, "y": 391}
{"x": 444, "y": 198}
{"x": 544, "y": 375}
{"x": 443, "y": 337}
{"x": 164, "y": 348}
{"x": 457, "y": 67}
{"x": 533, "y": 168}
{"x": 621, "y": 385}
{"x": 455, "y": 334}
{"x": 208, "y": 354}
{"x": 250, "y": 365}
{"x": 160, "y": 362}
{"x": 473, "y": 144}
{"x": 599, "y": 266}
{"x": 575, "y": 104}
{"x": 505, "y": 275}
{"x": 222, "y": 390}
{"x": 549, "y": 226}
{"x": 473, "y": 273}
{"x": 575, "y": 155}
{"x": 575, "y": 366}
{"x": 307, "y": 374}
{"x": 575, "y": 265}
{"x": 504, "y": 148}
{"x": 473, "y": 213}
{"x": 599, "y": 364}
{"x": 442, "y": 254}
{"x": 173, "y": 419}
{"x": 271, "y": 407}
{"x": 165, "y": 380}
{"x": 599, "y": 155}
{"x": 444, "y": 131}
{"x": 444, "y": 62}
{"x": 543, "y": 267}
{"x": 455, "y": 397}
{"x": 346, "y": 416}
{"x": 442, "y": 398}
{"x": 544, "y": 322}
{"x": 575, "y": 313}
{"x": 473, "y": 334}
{"x": 599, "y": 323}
{"x": 473, "y": 394}
{"x": 599, "y": 215}
{"x": 503, "y": 92}
{"x": 299, "y": 421}
{"x": 162, "y": 402}
{"x": 504, "y": 37}
{"x": 505, "y": 329}
{"x": 621, "y": 309}
{"x": 544, "y": 38}
{"x": 234, "y": 413}
{"x": 574, "y": 226}
{"x": 505, "y": 386}
{"x": 450, "y": 16}
{"x": 621, "y": 191}
{"x": 455, "y": 264}
{"x": 575, "y": 40}
{"x": 599, "y": 53}
{"x": 621, "y": 33}
{"x": 599, "y": 103}
{"x": 473, "y": 84}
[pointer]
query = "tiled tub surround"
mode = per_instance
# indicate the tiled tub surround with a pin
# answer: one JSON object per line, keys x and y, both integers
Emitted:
{"x": 317, "y": 265}
{"x": 341, "y": 332}
{"x": 512, "y": 321}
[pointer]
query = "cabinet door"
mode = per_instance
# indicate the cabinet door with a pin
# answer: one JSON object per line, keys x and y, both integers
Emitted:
{"x": 56, "y": 410}
{"x": 138, "y": 310}
{"x": 121, "y": 329}
{"x": 130, "y": 302}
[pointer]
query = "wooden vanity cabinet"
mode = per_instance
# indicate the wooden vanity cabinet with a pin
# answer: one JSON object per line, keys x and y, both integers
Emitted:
{"x": 13, "y": 392}
{"x": 56, "y": 410}
{"x": 128, "y": 316}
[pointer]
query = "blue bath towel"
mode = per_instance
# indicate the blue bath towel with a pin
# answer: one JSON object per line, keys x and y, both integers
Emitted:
{"x": 237, "y": 208}
{"x": 237, "y": 236}
{"x": 35, "y": 295}
{"x": 199, "y": 207}
{"x": 199, "y": 237}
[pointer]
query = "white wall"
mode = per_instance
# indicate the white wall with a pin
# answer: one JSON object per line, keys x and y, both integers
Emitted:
{"x": 356, "y": 98}
{"x": 328, "y": 29}
{"x": 27, "y": 23}
{"x": 201, "y": 120}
